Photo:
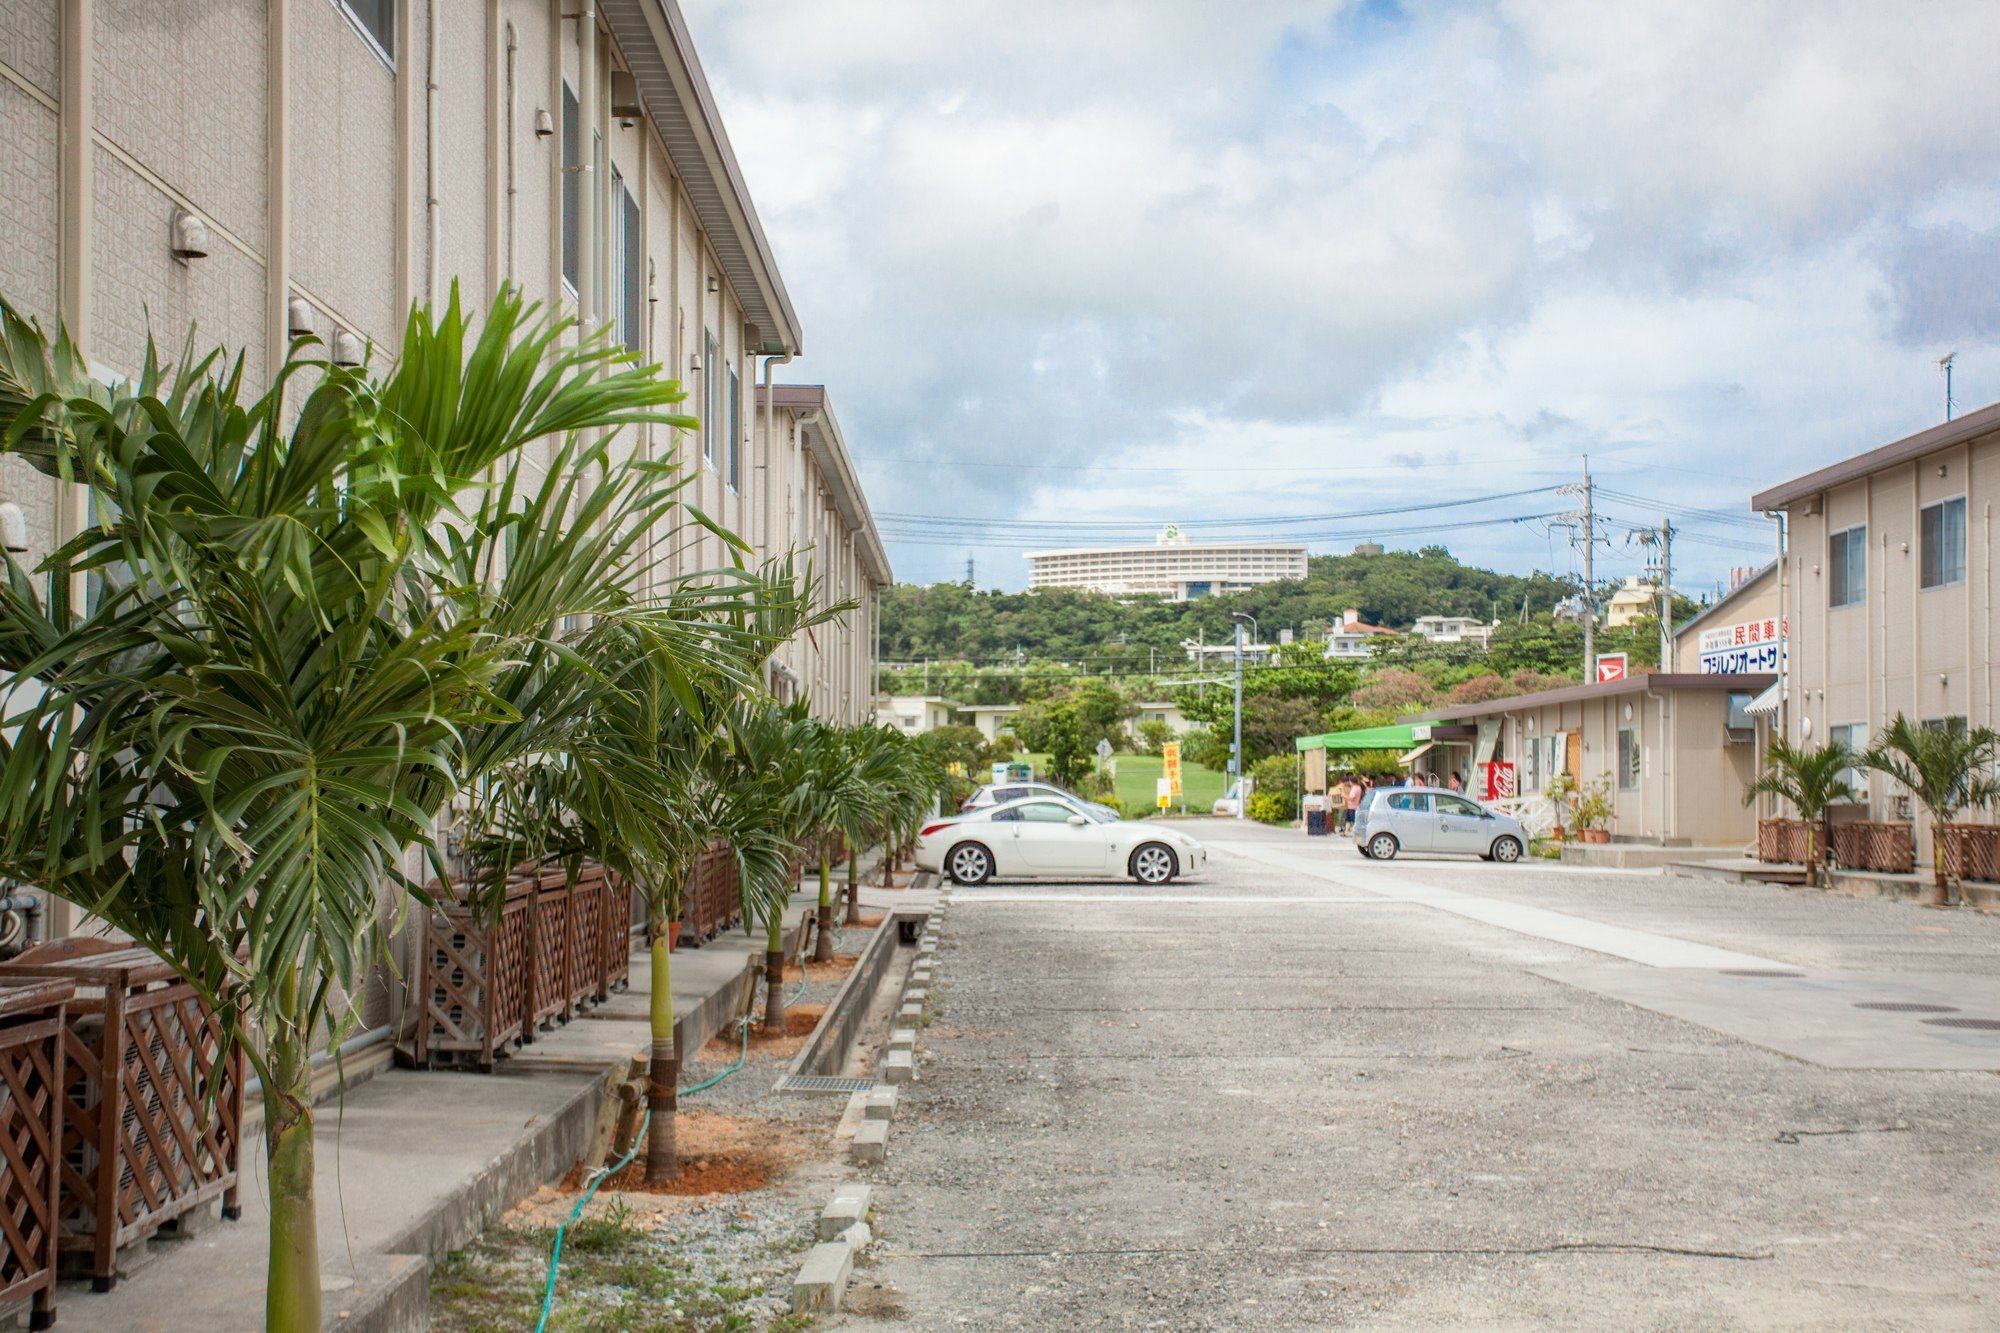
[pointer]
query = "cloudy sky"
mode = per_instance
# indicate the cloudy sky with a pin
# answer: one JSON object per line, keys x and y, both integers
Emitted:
{"x": 1072, "y": 269}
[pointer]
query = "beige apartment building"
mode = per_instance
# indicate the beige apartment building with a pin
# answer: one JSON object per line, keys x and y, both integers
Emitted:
{"x": 1887, "y": 582}
{"x": 261, "y": 170}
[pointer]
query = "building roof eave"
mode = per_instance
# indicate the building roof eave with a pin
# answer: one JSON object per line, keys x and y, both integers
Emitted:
{"x": 1957, "y": 431}
{"x": 653, "y": 37}
{"x": 1651, "y": 682}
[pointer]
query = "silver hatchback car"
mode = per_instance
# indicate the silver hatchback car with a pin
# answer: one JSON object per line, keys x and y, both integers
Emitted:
{"x": 1431, "y": 819}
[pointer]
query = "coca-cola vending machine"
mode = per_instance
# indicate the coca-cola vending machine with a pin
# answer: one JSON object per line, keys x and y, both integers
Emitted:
{"x": 1498, "y": 781}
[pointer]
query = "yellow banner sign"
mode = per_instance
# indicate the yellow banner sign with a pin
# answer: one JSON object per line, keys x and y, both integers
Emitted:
{"x": 1170, "y": 759}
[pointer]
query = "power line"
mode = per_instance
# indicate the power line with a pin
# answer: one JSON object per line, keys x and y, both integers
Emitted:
{"x": 1033, "y": 524}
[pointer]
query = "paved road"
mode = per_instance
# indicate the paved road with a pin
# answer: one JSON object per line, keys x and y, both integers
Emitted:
{"x": 1313, "y": 1090}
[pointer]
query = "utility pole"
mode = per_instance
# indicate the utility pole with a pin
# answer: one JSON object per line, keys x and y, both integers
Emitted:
{"x": 1663, "y": 576}
{"x": 968, "y": 571}
{"x": 1944, "y": 364}
{"x": 1587, "y": 518}
{"x": 1236, "y": 747}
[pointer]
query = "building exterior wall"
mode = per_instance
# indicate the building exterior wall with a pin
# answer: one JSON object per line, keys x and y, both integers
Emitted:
{"x": 1927, "y": 653}
{"x": 1167, "y": 569}
{"x": 1754, "y": 603}
{"x": 1688, "y": 785}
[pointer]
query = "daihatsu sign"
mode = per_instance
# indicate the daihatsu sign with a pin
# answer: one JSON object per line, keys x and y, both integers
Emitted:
{"x": 1755, "y": 647}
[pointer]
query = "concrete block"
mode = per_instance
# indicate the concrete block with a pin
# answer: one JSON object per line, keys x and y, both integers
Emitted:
{"x": 871, "y": 1142}
{"x": 822, "y": 1280}
{"x": 915, "y": 994}
{"x": 902, "y": 1039}
{"x": 879, "y": 1103}
{"x": 900, "y": 1067}
{"x": 910, "y": 1013}
{"x": 921, "y": 974}
{"x": 850, "y": 1205}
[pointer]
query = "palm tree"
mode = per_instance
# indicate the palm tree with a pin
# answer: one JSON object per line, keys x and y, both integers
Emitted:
{"x": 1946, "y": 768}
{"x": 283, "y": 672}
{"x": 1811, "y": 779}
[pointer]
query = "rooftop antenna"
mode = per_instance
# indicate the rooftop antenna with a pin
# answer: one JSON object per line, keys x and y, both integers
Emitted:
{"x": 1944, "y": 364}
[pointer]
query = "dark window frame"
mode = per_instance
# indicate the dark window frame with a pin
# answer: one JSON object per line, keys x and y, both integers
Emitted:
{"x": 1847, "y": 567}
{"x": 572, "y": 189}
{"x": 1631, "y": 759}
{"x": 375, "y": 21}
{"x": 733, "y": 447}
{"x": 1935, "y": 566}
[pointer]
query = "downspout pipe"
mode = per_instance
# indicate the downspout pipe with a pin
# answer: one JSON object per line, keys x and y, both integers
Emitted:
{"x": 433, "y": 228}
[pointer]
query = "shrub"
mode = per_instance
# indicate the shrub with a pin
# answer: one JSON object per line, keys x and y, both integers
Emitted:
{"x": 1269, "y": 808}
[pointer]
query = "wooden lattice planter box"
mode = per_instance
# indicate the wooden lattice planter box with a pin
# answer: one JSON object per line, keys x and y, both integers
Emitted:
{"x": 1783, "y": 841}
{"x": 152, "y": 1111}
{"x": 548, "y": 996}
{"x": 474, "y": 980}
{"x": 1884, "y": 848}
{"x": 1971, "y": 851}
{"x": 712, "y": 901}
{"x": 31, "y": 1132}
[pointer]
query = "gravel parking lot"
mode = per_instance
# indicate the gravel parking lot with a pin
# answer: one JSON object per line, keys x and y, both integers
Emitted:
{"x": 1301, "y": 1091}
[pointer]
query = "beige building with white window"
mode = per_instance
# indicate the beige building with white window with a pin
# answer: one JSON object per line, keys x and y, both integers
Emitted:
{"x": 1173, "y": 567}
{"x": 260, "y": 170}
{"x": 1887, "y": 581}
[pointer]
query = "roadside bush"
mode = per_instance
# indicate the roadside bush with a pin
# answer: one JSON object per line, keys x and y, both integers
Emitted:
{"x": 1269, "y": 808}
{"x": 1153, "y": 733}
{"x": 1274, "y": 778}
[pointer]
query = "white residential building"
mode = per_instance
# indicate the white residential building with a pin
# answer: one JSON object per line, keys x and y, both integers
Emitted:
{"x": 915, "y": 714}
{"x": 1353, "y": 639}
{"x": 1173, "y": 567}
{"x": 1453, "y": 629}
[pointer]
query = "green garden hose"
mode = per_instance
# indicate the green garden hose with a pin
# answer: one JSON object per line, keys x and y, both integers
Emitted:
{"x": 598, "y": 1177}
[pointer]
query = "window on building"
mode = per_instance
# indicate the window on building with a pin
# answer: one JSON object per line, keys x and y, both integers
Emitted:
{"x": 1941, "y": 535}
{"x": 572, "y": 186}
{"x": 733, "y": 450}
{"x": 1854, "y": 735}
{"x": 711, "y": 381}
{"x": 1847, "y": 567}
{"x": 628, "y": 267}
{"x": 1533, "y": 777}
{"x": 375, "y": 20}
{"x": 1629, "y": 758}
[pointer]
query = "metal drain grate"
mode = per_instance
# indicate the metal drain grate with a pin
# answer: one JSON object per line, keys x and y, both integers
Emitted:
{"x": 1757, "y": 972}
{"x": 1974, "y": 1024}
{"x": 825, "y": 1083}
{"x": 1904, "y": 1007}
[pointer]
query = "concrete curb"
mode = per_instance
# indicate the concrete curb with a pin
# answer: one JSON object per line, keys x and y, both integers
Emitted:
{"x": 845, "y": 1235}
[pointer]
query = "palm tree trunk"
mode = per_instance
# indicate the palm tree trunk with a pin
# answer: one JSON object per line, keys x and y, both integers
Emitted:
{"x": 853, "y": 888}
{"x": 823, "y": 945}
{"x": 291, "y": 1275}
{"x": 774, "y": 973}
{"x": 1938, "y": 871}
{"x": 1812, "y": 853}
{"x": 663, "y": 1071}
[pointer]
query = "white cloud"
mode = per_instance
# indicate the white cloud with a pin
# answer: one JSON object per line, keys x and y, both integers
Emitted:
{"x": 1327, "y": 236}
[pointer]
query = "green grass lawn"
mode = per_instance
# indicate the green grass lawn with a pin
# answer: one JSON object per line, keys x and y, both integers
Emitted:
{"x": 1138, "y": 774}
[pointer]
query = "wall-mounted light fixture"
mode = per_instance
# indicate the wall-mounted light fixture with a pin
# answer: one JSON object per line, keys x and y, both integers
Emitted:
{"x": 545, "y": 124}
{"x": 1942, "y": 469}
{"x": 714, "y": 283}
{"x": 625, "y": 105}
{"x": 300, "y": 318}
{"x": 190, "y": 236}
{"x": 694, "y": 363}
{"x": 348, "y": 349}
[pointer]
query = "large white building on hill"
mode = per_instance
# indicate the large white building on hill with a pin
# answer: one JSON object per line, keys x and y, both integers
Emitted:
{"x": 1174, "y": 567}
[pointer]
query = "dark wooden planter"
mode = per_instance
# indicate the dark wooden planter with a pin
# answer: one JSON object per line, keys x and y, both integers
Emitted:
{"x": 152, "y": 1112}
{"x": 1884, "y": 848}
{"x": 1782, "y": 841}
{"x": 711, "y": 901}
{"x": 31, "y": 1131}
{"x": 474, "y": 980}
{"x": 548, "y": 998}
{"x": 1971, "y": 851}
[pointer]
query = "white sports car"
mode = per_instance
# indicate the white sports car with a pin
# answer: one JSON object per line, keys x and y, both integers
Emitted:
{"x": 1045, "y": 837}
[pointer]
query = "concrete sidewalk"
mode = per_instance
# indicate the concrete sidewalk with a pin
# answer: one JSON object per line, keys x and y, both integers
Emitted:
{"x": 414, "y": 1163}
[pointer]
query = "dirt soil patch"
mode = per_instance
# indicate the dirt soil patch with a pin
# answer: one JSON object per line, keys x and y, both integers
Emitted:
{"x": 720, "y": 1154}
{"x": 800, "y": 1020}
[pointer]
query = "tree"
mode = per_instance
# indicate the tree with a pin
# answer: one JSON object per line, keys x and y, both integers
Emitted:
{"x": 1811, "y": 778}
{"x": 1478, "y": 690}
{"x": 1064, "y": 735}
{"x": 1947, "y": 768}
{"x": 1395, "y": 688}
{"x": 303, "y": 639}
{"x": 1154, "y": 733}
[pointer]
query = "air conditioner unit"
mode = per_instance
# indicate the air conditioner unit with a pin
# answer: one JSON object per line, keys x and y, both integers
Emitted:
{"x": 625, "y": 104}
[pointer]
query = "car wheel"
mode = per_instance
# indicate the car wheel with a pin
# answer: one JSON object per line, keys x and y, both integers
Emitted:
{"x": 1507, "y": 850}
{"x": 969, "y": 863}
{"x": 1382, "y": 847}
{"x": 1154, "y": 863}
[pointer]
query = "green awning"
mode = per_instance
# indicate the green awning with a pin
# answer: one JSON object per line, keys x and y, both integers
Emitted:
{"x": 1367, "y": 738}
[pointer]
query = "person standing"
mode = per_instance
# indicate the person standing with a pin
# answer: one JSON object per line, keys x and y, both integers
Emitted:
{"x": 1355, "y": 789}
